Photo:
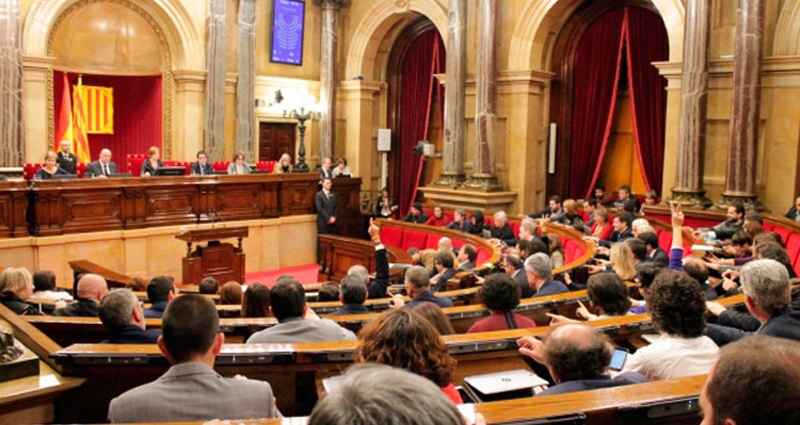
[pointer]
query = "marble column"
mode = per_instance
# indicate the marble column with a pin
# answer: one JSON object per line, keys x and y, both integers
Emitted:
{"x": 12, "y": 148}
{"x": 214, "y": 137}
{"x": 740, "y": 182}
{"x": 688, "y": 188}
{"x": 327, "y": 76}
{"x": 483, "y": 175}
{"x": 455, "y": 77}
{"x": 245, "y": 86}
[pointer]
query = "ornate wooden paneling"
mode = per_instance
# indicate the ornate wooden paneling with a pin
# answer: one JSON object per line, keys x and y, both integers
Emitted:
{"x": 297, "y": 195}
{"x": 13, "y": 205}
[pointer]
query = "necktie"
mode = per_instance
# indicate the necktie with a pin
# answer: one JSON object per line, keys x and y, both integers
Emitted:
{"x": 105, "y": 170}
{"x": 202, "y": 172}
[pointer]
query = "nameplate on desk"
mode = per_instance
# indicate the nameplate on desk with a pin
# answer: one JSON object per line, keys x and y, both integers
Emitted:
{"x": 331, "y": 356}
{"x": 256, "y": 358}
{"x": 474, "y": 347}
{"x": 114, "y": 359}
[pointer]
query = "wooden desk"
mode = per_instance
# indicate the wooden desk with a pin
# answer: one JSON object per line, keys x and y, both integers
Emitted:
{"x": 222, "y": 261}
{"x": 58, "y": 207}
{"x": 13, "y": 207}
{"x": 114, "y": 279}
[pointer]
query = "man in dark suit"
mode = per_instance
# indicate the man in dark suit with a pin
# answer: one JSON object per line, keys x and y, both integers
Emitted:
{"x": 443, "y": 264}
{"x": 622, "y": 229}
{"x": 768, "y": 297}
{"x": 327, "y": 211}
{"x": 66, "y": 159}
{"x": 794, "y": 212}
{"x": 201, "y": 167}
{"x": 418, "y": 287}
{"x": 539, "y": 268}
{"x": 352, "y": 294}
{"x": 91, "y": 290}
{"x": 576, "y": 344}
{"x": 654, "y": 252}
{"x": 324, "y": 169}
{"x": 415, "y": 214}
{"x": 191, "y": 341}
{"x": 377, "y": 289}
{"x": 103, "y": 167}
{"x": 466, "y": 258}
{"x": 516, "y": 269}
{"x": 122, "y": 314}
{"x": 160, "y": 291}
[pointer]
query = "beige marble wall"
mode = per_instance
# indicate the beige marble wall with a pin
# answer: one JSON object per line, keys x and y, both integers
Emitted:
{"x": 272, "y": 244}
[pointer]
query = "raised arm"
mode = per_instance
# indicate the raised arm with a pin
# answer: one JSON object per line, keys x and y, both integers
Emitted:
{"x": 381, "y": 281}
{"x": 676, "y": 251}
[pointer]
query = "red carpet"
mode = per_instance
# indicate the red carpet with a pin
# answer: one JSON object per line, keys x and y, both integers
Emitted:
{"x": 306, "y": 273}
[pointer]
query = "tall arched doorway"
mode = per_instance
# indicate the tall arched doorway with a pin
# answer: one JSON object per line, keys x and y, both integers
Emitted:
{"x": 608, "y": 100}
{"x": 415, "y": 105}
{"x": 114, "y": 46}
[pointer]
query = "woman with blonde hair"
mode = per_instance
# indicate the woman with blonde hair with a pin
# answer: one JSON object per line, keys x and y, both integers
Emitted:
{"x": 152, "y": 163}
{"x": 284, "y": 165}
{"x": 622, "y": 261}
{"x": 50, "y": 169}
{"x": 16, "y": 288}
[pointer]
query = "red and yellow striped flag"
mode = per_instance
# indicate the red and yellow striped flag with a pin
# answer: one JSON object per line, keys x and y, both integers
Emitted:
{"x": 81, "y": 139}
{"x": 98, "y": 108}
{"x": 64, "y": 131}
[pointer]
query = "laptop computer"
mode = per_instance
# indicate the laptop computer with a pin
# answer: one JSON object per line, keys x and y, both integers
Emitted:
{"x": 506, "y": 385}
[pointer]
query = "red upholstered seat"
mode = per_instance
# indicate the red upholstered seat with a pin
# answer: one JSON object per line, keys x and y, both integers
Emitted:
{"x": 392, "y": 236}
{"x": 483, "y": 257}
{"x": 768, "y": 227}
{"x": 220, "y": 165}
{"x": 433, "y": 241}
{"x": 793, "y": 249}
{"x": 265, "y": 165}
{"x": 570, "y": 251}
{"x": 134, "y": 163}
{"x": 415, "y": 238}
{"x": 784, "y": 233}
{"x": 81, "y": 169}
{"x": 514, "y": 227}
{"x": 458, "y": 243}
{"x": 664, "y": 239}
{"x": 29, "y": 170}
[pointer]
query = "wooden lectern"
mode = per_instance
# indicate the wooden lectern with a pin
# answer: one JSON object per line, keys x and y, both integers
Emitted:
{"x": 222, "y": 261}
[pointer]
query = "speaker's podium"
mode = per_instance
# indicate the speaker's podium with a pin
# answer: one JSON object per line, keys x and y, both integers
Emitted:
{"x": 220, "y": 260}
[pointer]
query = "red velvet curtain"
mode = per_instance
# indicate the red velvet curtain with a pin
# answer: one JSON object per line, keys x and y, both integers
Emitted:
{"x": 647, "y": 43}
{"x": 596, "y": 76}
{"x": 421, "y": 62}
{"x": 137, "y": 114}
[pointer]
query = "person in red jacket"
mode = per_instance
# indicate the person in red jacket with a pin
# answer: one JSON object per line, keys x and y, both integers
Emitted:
{"x": 438, "y": 219}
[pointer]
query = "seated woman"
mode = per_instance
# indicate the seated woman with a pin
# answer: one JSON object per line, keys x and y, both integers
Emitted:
{"x": 284, "y": 165}
{"x": 50, "y": 169}
{"x": 152, "y": 163}
{"x": 571, "y": 214}
{"x": 16, "y": 288}
{"x": 230, "y": 293}
{"x": 477, "y": 223}
{"x": 460, "y": 221}
{"x": 386, "y": 206}
{"x": 404, "y": 339}
{"x": 601, "y": 229}
{"x": 500, "y": 295}
{"x": 678, "y": 309}
{"x": 255, "y": 301}
{"x": 434, "y": 314}
{"x": 341, "y": 168}
{"x": 438, "y": 219}
{"x": 556, "y": 251}
{"x": 238, "y": 166}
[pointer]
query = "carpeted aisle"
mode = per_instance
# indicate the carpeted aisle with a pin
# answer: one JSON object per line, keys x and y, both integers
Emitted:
{"x": 305, "y": 274}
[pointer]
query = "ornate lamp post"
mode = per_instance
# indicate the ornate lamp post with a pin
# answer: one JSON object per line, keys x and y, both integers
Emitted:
{"x": 307, "y": 109}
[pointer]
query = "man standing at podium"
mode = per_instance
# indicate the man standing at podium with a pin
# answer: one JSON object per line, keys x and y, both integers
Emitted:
{"x": 327, "y": 211}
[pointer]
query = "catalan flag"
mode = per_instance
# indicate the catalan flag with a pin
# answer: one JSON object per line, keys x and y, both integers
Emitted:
{"x": 98, "y": 108}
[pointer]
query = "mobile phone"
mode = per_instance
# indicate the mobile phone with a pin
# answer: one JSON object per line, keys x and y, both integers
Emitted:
{"x": 618, "y": 359}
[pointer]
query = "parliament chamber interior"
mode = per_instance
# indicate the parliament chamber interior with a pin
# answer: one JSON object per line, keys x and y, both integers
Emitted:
{"x": 399, "y": 211}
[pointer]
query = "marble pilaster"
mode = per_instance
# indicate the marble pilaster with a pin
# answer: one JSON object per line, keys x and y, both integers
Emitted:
{"x": 456, "y": 73}
{"x": 483, "y": 176}
{"x": 688, "y": 188}
{"x": 245, "y": 86}
{"x": 740, "y": 179}
{"x": 12, "y": 147}
{"x": 214, "y": 137}
{"x": 328, "y": 51}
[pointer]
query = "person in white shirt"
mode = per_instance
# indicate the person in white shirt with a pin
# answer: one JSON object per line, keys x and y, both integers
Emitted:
{"x": 44, "y": 285}
{"x": 677, "y": 306}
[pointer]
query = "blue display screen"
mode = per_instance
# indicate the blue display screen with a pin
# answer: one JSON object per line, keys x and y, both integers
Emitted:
{"x": 288, "y": 21}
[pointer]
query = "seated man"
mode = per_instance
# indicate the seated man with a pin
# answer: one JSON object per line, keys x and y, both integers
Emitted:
{"x": 122, "y": 314}
{"x": 793, "y": 213}
{"x": 622, "y": 229}
{"x": 516, "y": 269}
{"x": 733, "y": 223}
{"x": 768, "y": 297}
{"x": 91, "y": 290}
{"x": 288, "y": 305}
{"x": 201, "y": 167}
{"x": 191, "y": 390}
{"x": 378, "y": 394}
{"x": 208, "y": 286}
{"x": 654, "y": 252}
{"x": 677, "y": 307}
{"x": 755, "y": 381}
{"x": 377, "y": 289}
{"x": 539, "y": 269}
{"x": 160, "y": 291}
{"x": 501, "y": 230}
{"x": 466, "y": 258}
{"x": 553, "y": 210}
{"x": 415, "y": 214}
{"x": 44, "y": 286}
{"x": 623, "y": 195}
{"x": 352, "y": 294}
{"x": 577, "y": 357}
{"x": 698, "y": 270}
{"x": 103, "y": 167}
{"x": 443, "y": 263}
{"x": 418, "y": 287}
{"x": 460, "y": 221}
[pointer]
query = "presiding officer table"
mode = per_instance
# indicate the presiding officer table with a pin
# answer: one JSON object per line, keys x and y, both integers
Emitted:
{"x": 59, "y": 207}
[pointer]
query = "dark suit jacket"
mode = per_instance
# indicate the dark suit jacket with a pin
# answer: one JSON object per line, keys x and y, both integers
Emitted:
{"x": 551, "y": 287}
{"x": 428, "y": 297}
{"x": 522, "y": 281}
{"x": 20, "y": 307}
{"x": 351, "y": 309}
{"x": 68, "y": 162}
{"x": 469, "y": 265}
{"x": 323, "y": 173}
{"x": 133, "y": 334}
{"x": 605, "y": 381}
{"x": 617, "y": 237}
{"x": 792, "y": 213}
{"x": 465, "y": 226}
{"x": 41, "y": 174}
{"x": 82, "y": 308}
{"x": 207, "y": 168}
{"x": 419, "y": 219}
{"x": 377, "y": 289}
{"x": 326, "y": 208}
{"x": 660, "y": 256}
{"x": 156, "y": 310}
{"x": 147, "y": 167}
{"x": 441, "y": 283}
{"x": 504, "y": 233}
{"x": 785, "y": 324}
{"x": 94, "y": 169}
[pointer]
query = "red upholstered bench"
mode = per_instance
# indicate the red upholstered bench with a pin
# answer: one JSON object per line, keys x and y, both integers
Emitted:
{"x": 29, "y": 170}
{"x": 392, "y": 236}
{"x": 220, "y": 165}
{"x": 134, "y": 163}
{"x": 265, "y": 165}
{"x": 415, "y": 239}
